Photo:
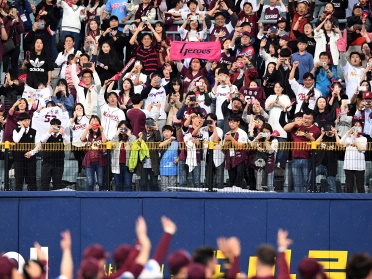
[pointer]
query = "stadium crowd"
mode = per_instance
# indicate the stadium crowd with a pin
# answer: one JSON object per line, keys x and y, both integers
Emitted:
{"x": 287, "y": 81}
{"x": 135, "y": 261}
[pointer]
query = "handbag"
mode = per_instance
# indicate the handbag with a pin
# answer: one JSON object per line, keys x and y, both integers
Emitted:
{"x": 342, "y": 42}
{"x": 8, "y": 45}
{"x": 260, "y": 159}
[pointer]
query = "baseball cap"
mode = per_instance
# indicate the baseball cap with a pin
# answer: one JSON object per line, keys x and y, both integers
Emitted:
{"x": 121, "y": 253}
{"x": 366, "y": 95}
{"x": 246, "y": 34}
{"x": 285, "y": 38}
{"x": 196, "y": 271}
{"x": 6, "y": 268}
{"x": 114, "y": 17}
{"x": 2, "y": 107}
{"x": 357, "y": 5}
{"x": 89, "y": 268}
{"x": 281, "y": 19}
{"x": 178, "y": 260}
{"x": 95, "y": 251}
{"x": 309, "y": 268}
{"x": 273, "y": 29}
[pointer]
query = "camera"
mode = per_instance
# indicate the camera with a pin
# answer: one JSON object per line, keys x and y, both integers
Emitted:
{"x": 193, "y": 99}
{"x": 123, "y": 130}
{"x": 239, "y": 64}
{"x": 368, "y": 103}
{"x": 264, "y": 135}
{"x": 324, "y": 63}
{"x": 222, "y": 78}
{"x": 307, "y": 130}
{"x": 41, "y": 25}
{"x": 57, "y": 127}
{"x": 208, "y": 122}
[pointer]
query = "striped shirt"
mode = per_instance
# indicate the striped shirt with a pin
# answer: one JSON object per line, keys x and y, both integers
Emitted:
{"x": 149, "y": 57}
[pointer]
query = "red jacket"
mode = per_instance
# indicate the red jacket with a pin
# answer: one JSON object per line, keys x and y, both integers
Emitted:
{"x": 249, "y": 74}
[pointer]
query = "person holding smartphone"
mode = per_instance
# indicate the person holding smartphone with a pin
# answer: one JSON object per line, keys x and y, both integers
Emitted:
{"x": 354, "y": 162}
{"x": 303, "y": 131}
{"x": 53, "y": 145}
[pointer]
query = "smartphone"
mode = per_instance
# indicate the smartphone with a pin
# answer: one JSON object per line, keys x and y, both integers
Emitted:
{"x": 198, "y": 83}
{"x": 222, "y": 78}
{"x": 194, "y": 18}
{"x": 78, "y": 53}
{"x": 307, "y": 130}
{"x": 324, "y": 63}
{"x": 41, "y": 25}
{"x": 131, "y": 27}
{"x": 239, "y": 64}
{"x": 87, "y": 65}
{"x": 264, "y": 135}
{"x": 362, "y": 88}
{"x": 282, "y": 60}
{"x": 338, "y": 112}
{"x": 193, "y": 99}
{"x": 208, "y": 122}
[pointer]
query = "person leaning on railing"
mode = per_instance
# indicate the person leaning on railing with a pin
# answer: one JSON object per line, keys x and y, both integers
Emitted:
{"x": 24, "y": 153}
{"x": 52, "y": 166}
{"x": 354, "y": 162}
{"x": 234, "y": 144}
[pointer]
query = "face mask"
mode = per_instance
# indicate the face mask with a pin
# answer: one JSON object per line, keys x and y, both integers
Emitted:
{"x": 79, "y": 113}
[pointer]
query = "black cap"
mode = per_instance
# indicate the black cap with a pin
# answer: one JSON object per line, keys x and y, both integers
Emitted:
{"x": 114, "y": 17}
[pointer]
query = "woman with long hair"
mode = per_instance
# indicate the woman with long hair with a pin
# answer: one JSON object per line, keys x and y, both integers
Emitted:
{"x": 137, "y": 76}
{"x": 39, "y": 67}
{"x": 62, "y": 96}
{"x": 20, "y": 106}
{"x": 173, "y": 103}
{"x": 108, "y": 63}
{"x": 165, "y": 41}
{"x": 191, "y": 30}
{"x": 95, "y": 159}
{"x": 326, "y": 36}
{"x": 274, "y": 105}
{"x": 354, "y": 162}
{"x": 120, "y": 157}
{"x": 78, "y": 123}
{"x": 92, "y": 36}
{"x": 202, "y": 89}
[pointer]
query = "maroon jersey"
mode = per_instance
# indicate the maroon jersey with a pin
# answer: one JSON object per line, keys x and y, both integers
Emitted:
{"x": 143, "y": 11}
{"x": 254, "y": 94}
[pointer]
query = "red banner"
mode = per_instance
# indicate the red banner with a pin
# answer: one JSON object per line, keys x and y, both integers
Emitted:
{"x": 203, "y": 50}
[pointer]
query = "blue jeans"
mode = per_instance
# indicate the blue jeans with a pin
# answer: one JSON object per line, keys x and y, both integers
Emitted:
{"x": 123, "y": 181}
{"x": 288, "y": 179}
{"x": 149, "y": 179}
{"x": 75, "y": 35}
{"x": 331, "y": 180}
{"x": 270, "y": 181}
{"x": 54, "y": 48}
{"x": 280, "y": 150}
{"x": 91, "y": 172}
{"x": 183, "y": 171}
{"x": 300, "y": 171}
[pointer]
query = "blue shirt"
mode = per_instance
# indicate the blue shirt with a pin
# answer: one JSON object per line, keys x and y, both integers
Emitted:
{"x": 117, "y": 8}
{"x": 306, "y": 63}
{"x": 322, "y": 79}
{"x": 167, "y": 165}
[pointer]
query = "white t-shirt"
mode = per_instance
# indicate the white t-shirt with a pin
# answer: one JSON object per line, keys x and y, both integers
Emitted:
{"x": 301, "y": 92}
{"x": 218, "y": 154}
{"x": 40, "y": 120}
{"x": 221, "y": 95}
{"x": 353, "y": 77}
{"x": 201, "y": 99}
{"x": 110, "y": 117}
{"x": 137, "y": 88}
{"x": 78, "y": 129}
{"x": 157, "y": 95}
{"x": 354, "y": 159}
{"x": 275, "y": 111}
